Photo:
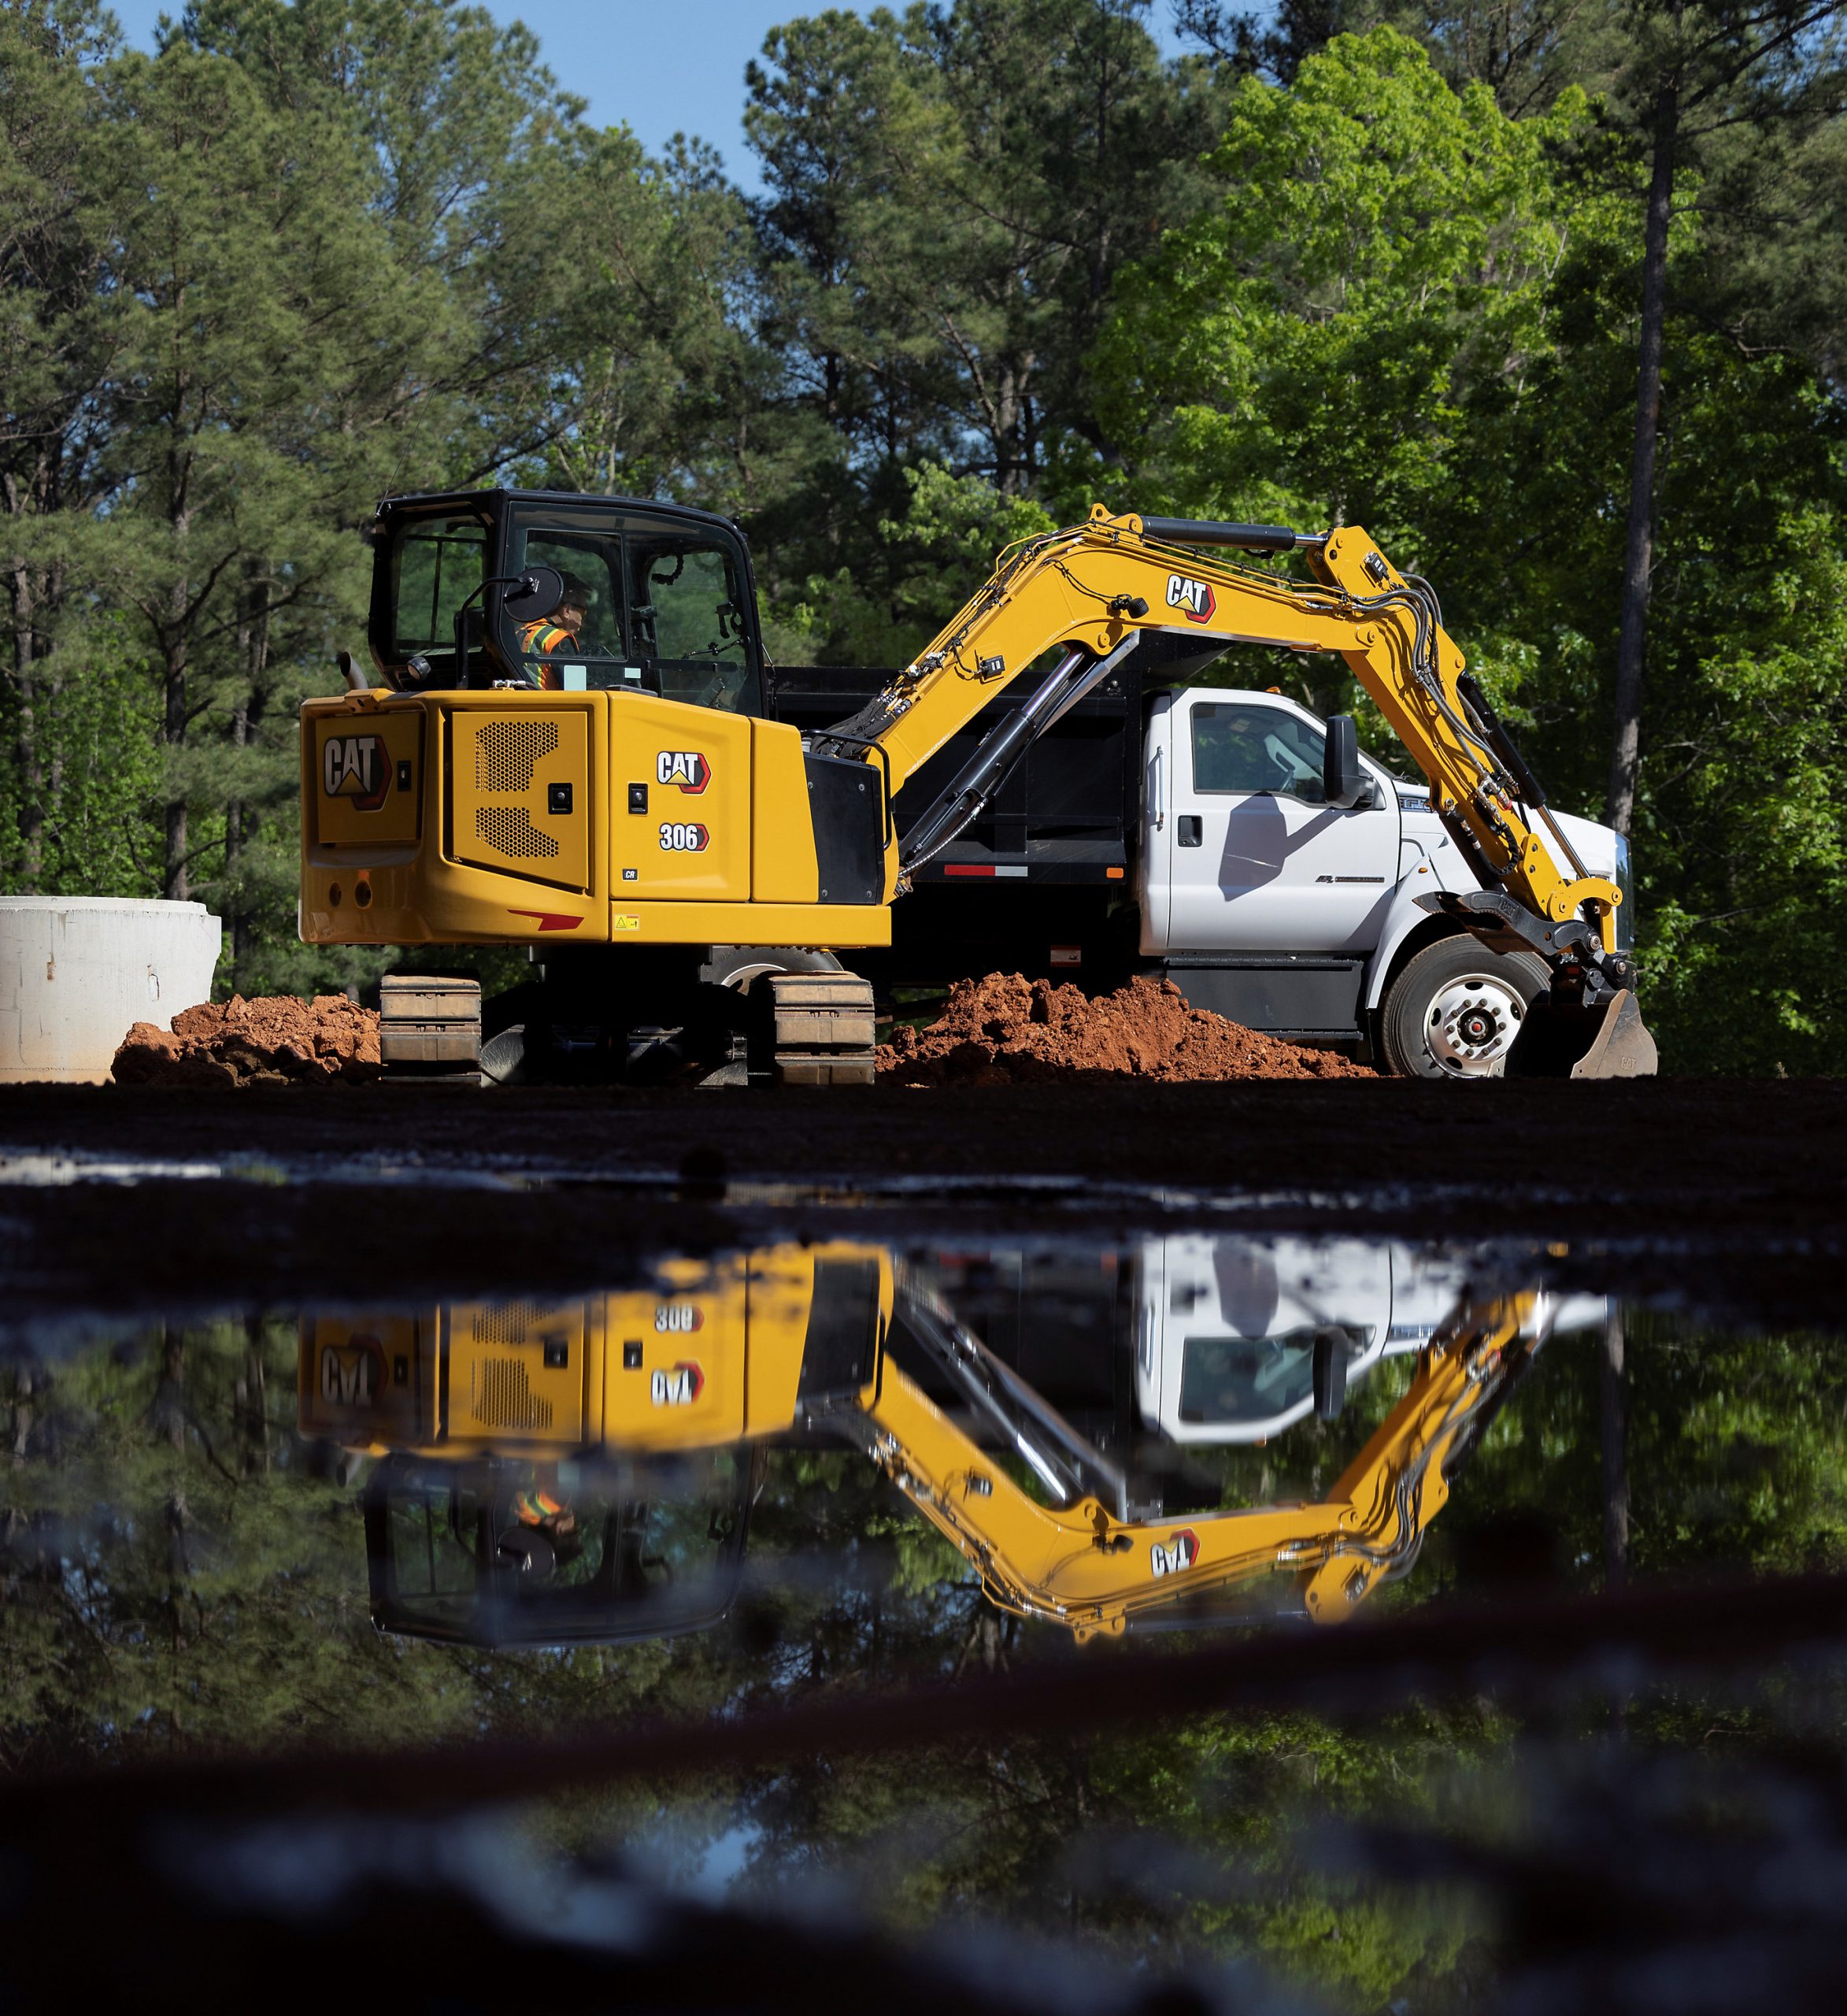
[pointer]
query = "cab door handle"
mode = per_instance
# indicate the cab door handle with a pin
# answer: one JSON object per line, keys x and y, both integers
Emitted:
{"x": 1191, "y": 829}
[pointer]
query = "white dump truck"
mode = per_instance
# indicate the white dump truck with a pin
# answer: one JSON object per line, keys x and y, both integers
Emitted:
{"x": 1184, "y": 831}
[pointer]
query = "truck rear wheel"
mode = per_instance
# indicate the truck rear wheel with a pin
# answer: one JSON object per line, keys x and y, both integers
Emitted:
{"x": 1455, "y": 1009}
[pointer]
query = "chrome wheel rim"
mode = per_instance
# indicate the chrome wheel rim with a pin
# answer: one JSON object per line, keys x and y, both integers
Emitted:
{"x": 1471, "y": 1024}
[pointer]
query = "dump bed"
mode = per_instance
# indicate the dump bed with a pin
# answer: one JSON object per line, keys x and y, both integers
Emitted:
{"x": 1042, "y": 882}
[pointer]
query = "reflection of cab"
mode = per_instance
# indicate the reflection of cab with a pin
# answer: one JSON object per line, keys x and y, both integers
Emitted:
{"x": 582, "y": 1470}
{"x": 655, "y": 1547}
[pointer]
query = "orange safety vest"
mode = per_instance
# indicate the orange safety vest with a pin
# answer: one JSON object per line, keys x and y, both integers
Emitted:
{"x": 539, "y": 640}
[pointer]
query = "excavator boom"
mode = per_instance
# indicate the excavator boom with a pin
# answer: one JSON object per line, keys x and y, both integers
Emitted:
{"x": 1088, "y": 591}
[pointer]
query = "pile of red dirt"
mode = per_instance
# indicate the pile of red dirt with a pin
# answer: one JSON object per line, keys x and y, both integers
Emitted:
{"x": 1005, "y": 1030}
{"x": 274, "y": 1040}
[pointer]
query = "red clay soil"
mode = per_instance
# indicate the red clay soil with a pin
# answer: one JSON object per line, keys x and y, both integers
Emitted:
{"x": 275, "y": 1039}
{"x": 1005, "y": 1030}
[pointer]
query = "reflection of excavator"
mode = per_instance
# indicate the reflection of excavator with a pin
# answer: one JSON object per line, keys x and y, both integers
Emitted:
{"x": 635, "y": 1416}
{"x": 636, "y": 803}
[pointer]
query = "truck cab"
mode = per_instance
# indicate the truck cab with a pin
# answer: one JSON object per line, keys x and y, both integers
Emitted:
{"x": 1239, "y": 1337}
{"x": 1266, "y": 904}
{"x": 1182, "y": 830}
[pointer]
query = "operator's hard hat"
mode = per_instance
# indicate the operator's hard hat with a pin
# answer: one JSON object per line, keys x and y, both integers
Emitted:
{"x": 578, "y": 591}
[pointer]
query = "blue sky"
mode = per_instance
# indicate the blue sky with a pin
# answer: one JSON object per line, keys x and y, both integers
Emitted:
{"x": 665, "y": 66}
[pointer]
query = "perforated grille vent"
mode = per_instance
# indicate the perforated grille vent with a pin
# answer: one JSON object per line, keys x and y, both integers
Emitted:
{"x": 506, "y": 751}
{"x": 504, "y": 1399}
{"x": 508, "y": 828}
{"x": 509, "y": 1322}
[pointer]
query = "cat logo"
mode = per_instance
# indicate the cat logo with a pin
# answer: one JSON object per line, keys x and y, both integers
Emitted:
{"x": 680, "y": 1387}
{"x": 1181, "y": 1551}
{"x": 683, "y": 1317}
{"x": 1195, "y": 598}
{"x": 350, "y": 1372}
{"x": 354, "y": 766}
{"x": 686, "y": 768}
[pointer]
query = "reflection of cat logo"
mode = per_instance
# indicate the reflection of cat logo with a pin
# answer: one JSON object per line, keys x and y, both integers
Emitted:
{"x": 1196, "y": 597}
{"x": 350, "y": 1372}
{"x": 680, "y": 1387}
{"x": 684, "y": 767}
{"x": 1181, "y": 1551}
{"x": 681, "y": 1316}
{"x": 353, "y": 766}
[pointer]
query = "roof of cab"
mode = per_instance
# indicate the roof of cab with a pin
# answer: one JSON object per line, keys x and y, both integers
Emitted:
{"x": 416, "y": 499}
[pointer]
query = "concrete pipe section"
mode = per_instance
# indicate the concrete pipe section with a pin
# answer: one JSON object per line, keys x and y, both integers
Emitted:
{"x": 77, "y": 971}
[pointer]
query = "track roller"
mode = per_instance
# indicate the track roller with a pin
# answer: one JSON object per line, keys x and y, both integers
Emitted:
{"x": 812, "y": 1030}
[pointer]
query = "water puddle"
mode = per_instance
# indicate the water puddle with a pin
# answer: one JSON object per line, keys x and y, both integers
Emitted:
{"x": 830, "y": 1477}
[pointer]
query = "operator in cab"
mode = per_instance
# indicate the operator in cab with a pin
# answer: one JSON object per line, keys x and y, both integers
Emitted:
{"x": 544, "y": 646}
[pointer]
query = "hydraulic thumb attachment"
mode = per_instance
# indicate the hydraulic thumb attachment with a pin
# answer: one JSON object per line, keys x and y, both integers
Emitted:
{"x": 1587, "y": 1025}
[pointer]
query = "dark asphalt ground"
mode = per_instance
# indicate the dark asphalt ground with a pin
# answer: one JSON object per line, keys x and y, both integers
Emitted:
{"x": 1731, "y": 1194}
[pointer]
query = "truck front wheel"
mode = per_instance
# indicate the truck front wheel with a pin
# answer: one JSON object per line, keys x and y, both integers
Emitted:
{"x": 1455, "y": 1009}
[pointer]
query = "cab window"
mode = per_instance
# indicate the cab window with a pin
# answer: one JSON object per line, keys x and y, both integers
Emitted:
{"x": 588, "y": 554}
{"x": 686, "y": 601}
{"x": 1243, "y": 1379}
{"x": 436, "y": 564}
{"x": 1238, "y": 747}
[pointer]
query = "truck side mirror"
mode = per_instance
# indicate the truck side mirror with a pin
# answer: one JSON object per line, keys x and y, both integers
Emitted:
{"x": 1330, "y": 1366}
{"x": 1343, "y": 783}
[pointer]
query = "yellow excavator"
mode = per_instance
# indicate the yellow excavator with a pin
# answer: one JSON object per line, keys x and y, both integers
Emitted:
{"x": 605, "y": 789}
{"x": 585, "y": 1470}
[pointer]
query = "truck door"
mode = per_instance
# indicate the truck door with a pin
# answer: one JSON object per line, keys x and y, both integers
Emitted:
{"x": 1256, "y": 861}
{"x": 1155, "y": 872}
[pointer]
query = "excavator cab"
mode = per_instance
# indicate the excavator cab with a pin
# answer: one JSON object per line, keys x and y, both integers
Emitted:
{"x": 501, "y": 1551}
{"x": 459, "y": 583}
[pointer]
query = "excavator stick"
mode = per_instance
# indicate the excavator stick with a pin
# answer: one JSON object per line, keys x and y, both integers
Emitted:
{"x": 1566, "y": 1039}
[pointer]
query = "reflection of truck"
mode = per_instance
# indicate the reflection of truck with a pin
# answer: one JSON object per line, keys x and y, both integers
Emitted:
{"x": 550, "y": 1475}
{"x": 625, "y": 801}
{"x": 1185, "y": 832}
{"x": 1241, "y": 1335}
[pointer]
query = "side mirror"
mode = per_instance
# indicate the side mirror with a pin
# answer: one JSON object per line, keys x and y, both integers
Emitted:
{"x": 1330, "y": 1366}
{"x": 1344, "y": 784}
{"x": 534, "y": 595}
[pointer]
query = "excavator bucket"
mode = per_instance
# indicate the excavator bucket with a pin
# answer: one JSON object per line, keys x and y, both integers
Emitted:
{"x": 1566, "y": 1039}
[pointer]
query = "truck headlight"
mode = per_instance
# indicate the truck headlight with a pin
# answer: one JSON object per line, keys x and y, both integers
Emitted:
{"x": 1625, "y": 909}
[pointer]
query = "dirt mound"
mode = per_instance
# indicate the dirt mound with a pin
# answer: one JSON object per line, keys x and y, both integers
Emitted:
{"x": 1006, "y": 1030}
{"x": 275, "y": 1039}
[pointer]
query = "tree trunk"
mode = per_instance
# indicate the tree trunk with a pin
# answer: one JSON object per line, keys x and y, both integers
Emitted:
{"x": 1614, "y": 1412}
{"x": 26, "y": 750}
{"x": 1638, "y": 556}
